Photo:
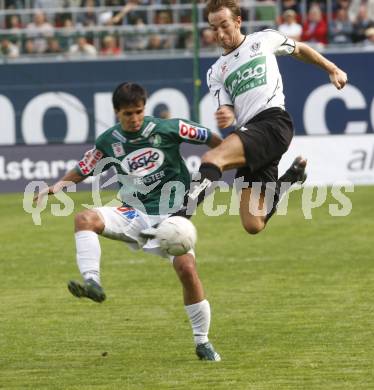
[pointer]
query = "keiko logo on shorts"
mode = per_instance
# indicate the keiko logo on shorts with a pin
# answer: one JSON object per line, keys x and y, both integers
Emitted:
{"x": 188, "y": 131}
{"x": 127, "y": 212}
{"x": 142, "y": 162}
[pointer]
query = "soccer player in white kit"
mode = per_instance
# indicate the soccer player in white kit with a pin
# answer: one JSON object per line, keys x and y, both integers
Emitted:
{"x": 248, "y": 92}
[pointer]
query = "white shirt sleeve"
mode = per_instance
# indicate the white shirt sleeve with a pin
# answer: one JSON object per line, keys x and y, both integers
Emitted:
{"x": 280, "y": 44}
{"x": 217, "y": 89}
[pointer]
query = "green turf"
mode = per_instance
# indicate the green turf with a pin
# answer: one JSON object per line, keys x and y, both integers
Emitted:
{"x": 292, "y": 307}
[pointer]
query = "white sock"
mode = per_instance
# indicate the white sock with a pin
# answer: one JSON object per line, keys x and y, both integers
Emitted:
{"x": 88, "y": 254}
{"x": 199, "y": 314}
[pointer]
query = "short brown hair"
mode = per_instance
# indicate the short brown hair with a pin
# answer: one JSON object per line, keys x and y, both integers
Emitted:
{"x": 217, "y": 5}
{"x": 128, "y": 94}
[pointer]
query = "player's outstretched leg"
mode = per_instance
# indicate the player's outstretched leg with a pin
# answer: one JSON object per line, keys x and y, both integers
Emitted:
{"x": 228, "y": 155}
{"x": 197, "y": 307}
{"x": 209, "y": 173}
{"x": 294, "y": 174}
{"x": 89, "y": 289}
{"x": 87, "y": 226}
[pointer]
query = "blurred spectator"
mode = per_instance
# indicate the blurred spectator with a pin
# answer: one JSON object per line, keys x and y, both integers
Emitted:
{"x": 290, "y": 27}
{"x": 354, "y": 9}
{"x": 82, "y": 48}
{"x": 369, "y": 41}
{"x": 361, "y": 24}
{"x": 50, "y": 4}
{"x": 109, "y": 46}
{"x": 129, "y": 14}
{"x": 290, "y": 4}
{"x": 53, "y": 46}
{"x": 88, "y": 17}
{"x": 8, "y": 49}
{"x": 66, "y": 35}
{"x": 40, "y": 29}
{"x": 185, "y": 40}
{"x": 339, "y": 4}
{"x": 107, "y": 18}
{"x": 139, "y": 39}
{"x": 14, "y": 26}
{"x": 29, "y": 47}
{"x": 13, "y": 22}
{"x": 207, "y": 39}
{"x": 340, "y": 29}
{"x": 185, "y": 15}
{"x": 156, "y": 42}
{"x": 163, "y": 17}
{"x": 315, "y": 27}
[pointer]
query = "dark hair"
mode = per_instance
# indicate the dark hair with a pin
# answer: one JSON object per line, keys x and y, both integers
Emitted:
{"x": 128, "y": 94}
{"x": 217, "y": 5}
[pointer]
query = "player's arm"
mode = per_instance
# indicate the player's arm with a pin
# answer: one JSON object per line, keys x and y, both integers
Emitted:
{"x": 64, "y": 182}
{"x": 194, "y": 133}
{"x": 225, "y": 115}
{"x": 307, "y": 54}
{"x": 84, "y": 168}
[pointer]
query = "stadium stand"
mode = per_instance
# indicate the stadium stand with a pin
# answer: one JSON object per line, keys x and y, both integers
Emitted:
{"x": 91, "y": 28}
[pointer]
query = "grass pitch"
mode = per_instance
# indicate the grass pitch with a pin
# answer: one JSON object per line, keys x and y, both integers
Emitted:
{"x": 292, "y": 307}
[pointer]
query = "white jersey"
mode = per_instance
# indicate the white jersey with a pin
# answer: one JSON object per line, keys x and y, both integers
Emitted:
{"x": 248, "y": 77}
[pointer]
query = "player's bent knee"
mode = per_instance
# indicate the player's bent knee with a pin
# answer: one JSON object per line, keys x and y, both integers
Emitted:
{"x": 253, "y": 227}
{"x": 211, "y": 157}
{"x": 88, "y": 220}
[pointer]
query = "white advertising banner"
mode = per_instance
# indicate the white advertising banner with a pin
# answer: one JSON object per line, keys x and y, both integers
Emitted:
{"x": 334, "y": 159}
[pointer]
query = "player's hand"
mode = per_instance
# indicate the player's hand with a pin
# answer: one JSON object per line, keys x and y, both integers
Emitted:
{"x": 38, "y": 198}
{"x": 339, "y": 78}
{"x": 225, "y": 116}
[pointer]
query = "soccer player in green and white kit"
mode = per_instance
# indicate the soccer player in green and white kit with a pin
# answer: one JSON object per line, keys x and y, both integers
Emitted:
{"x": 145, "y": 153}
{"x": 247, "y": 89}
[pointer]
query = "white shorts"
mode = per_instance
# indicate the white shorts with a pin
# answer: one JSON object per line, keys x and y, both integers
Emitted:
{"x": 125, "y": 224}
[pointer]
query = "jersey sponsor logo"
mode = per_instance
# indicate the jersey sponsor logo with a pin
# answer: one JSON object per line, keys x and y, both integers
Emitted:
{"x": 248, "y": 76}
{"x": 89, "y": 161}
{"x": 188, "y": 131}
{"x": 127, "y": 212}
{"x": 143, "y": 162}
{"x": 150, "y": 179}
{"x": 118, "y": 149}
